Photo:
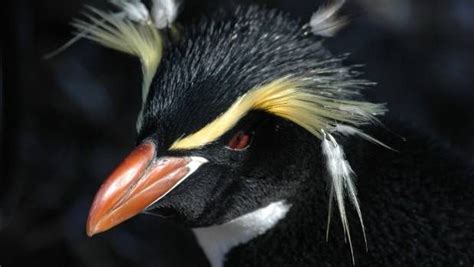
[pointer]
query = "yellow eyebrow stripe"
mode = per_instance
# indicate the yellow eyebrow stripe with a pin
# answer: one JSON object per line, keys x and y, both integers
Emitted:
{"x": 289, "y": 98}
{"x": 260, "y": 98}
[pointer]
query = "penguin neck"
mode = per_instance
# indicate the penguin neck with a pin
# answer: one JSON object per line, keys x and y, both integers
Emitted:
{"x": 216, "y": 241}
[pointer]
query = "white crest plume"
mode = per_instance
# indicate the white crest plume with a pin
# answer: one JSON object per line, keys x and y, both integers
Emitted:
{"x": 325, "y": 21}
{"x": 341, "y": 185}
{"x": 134, "y": 10}
{"x": 164, "y": 12}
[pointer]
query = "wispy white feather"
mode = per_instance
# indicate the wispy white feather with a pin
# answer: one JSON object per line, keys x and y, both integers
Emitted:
{"x": 164, "y": 12}
{"x": 341, "y": 184}
{"x": 347, "y": 130}
{"x": 134, "y": 10}
{"x": 325, "y": 21}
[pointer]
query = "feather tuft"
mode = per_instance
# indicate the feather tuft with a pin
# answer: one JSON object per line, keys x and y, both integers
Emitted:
{"x": 112, "y": 31}
{"x": 341, "y": 185}
{"x": 164, "y": 12}
{"x": 347, "y": 130}
{"x": 115, "y": 32}
{"x": 325, "y": 21}
{"x": 134, "y": 10}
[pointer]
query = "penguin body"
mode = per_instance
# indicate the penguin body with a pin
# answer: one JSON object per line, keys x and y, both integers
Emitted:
{"x": 222, "y": 137}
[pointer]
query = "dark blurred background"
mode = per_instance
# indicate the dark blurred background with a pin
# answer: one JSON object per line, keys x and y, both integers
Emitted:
{"x": 67, "y": 121}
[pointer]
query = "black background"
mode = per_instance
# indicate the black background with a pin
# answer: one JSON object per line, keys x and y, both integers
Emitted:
{"x": 67, "y": 121}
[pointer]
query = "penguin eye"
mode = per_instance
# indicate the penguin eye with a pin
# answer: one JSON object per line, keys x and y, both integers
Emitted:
{"x": 239, "y": 141}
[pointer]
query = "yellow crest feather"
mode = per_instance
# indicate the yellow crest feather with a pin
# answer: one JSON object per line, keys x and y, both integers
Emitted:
{"x": 289, "y": 98}
{"x": 140, "y": 40}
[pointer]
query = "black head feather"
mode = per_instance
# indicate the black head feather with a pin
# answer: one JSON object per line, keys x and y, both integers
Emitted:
{"x": 221, "y": 59}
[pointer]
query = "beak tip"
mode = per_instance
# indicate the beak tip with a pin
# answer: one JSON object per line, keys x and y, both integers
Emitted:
{"x": 94, "y": 225}
{"x": 90, "y": 229}
{"x": 93, "y": 229}
{"x": 89, "y": 234}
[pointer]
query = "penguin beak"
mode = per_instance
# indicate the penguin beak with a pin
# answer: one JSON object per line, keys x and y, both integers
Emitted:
{"x": 136, "y": 184}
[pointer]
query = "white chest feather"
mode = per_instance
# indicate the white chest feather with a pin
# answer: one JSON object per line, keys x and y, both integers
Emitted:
{"x": 217, "y": 240}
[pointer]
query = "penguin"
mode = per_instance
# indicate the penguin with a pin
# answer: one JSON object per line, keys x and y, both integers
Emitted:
{"x": 259, "y": 140}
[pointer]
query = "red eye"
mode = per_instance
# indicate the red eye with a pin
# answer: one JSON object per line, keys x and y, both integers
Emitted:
{"x": 239, "y": 141}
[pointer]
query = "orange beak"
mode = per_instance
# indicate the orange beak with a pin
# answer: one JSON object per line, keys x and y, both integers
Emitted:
{"x": 137, "y": 183}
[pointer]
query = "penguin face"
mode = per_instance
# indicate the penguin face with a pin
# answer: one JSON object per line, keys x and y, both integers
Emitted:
{"x": 231, "y": 122}
{"x": 248, "y": 167}
{"x": 262, "y": 159}
{"x": 204, "y": 176}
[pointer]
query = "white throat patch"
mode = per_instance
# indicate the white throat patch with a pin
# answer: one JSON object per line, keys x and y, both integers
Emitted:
{"x": 217, "y": 240}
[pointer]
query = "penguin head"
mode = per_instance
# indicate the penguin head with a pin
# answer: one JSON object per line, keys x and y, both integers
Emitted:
{"x": 231, "y": 122}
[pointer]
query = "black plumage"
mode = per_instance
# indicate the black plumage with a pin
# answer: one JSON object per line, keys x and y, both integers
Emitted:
{"x": 412, "y": 215}
{"x": 416, "y": 202}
